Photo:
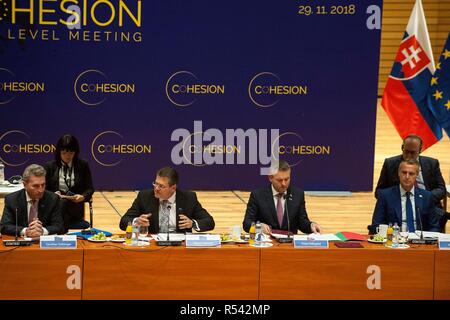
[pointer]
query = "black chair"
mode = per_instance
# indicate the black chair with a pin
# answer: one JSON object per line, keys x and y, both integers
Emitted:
{"x": 83, "y": 224}
{"x": 446, "y": 215}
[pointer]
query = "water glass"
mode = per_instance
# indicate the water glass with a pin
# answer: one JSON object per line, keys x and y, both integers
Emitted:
{"x": 143, "y": 231}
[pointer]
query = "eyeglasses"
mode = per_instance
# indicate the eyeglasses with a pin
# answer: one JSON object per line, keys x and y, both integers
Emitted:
{"x": 158, "y": 185}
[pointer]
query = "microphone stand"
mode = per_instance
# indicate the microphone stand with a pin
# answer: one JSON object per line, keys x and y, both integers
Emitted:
{"x": 422, "y": 240}
{"x": 16, "y": 242}
{"x": 168, "y": 242}
{"x": 288, "y": 239}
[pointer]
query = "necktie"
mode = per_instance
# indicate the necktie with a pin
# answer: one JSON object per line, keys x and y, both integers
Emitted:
{"x": 33, "y": 211}
{"x": 280, "y": 209}
{"x": 409, "y": 213}
{"x": 164, "y": 217}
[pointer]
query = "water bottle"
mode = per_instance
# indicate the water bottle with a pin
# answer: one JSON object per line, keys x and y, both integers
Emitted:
{"x": 2, "y": 172}
{"x": 258, "y": 234}
{"x": 389, "y": 235}
{"x": 395, "y": 235}
{"x": 129, "y": 232}
{"x": 135, "y": 233}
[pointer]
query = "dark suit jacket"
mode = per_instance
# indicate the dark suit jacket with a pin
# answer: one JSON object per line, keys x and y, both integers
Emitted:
{"x": 48, "y": 213}
{"x": 261, "y": 207}
{"x": 83, "y": 178}
{"x": 389, "y": 209}
{"x": 431, "y": 172}
{"x": 186, "y": 202}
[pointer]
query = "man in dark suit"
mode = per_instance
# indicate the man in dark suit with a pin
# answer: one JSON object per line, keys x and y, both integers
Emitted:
{"x": 165, "y": 205}
{"x": 38, "y": 210}
{"x": 429, "y": 177}
{"x": 405, "y": 204}
{"x": 273, "y": 204}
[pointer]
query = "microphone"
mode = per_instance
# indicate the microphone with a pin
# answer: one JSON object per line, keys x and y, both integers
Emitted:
{"x": 168, "y": 242}
{"x": 16, "y": 242}
{"x": 421, "y": 240}
{"x": 168, "y": 220}
{"x": 287, "y": 196}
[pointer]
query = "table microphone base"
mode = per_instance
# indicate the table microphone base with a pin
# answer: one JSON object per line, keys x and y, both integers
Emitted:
{"x": 16, "y": 243}
{"x": 168, "y": 243}
{"x": 423, "y": 241}
{"x": 285, "y": 240}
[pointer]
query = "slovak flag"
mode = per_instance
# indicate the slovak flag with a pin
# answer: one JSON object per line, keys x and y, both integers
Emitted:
{"x": 405, "y": 95}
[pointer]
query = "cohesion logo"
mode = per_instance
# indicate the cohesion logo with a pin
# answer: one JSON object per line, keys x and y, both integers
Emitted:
{"x": 96, "y": 18}
{"x": 16, "y": 148}
{"x": 108, "y": 148}
{"x": 266, "y": 88}
{"x": 183, "y": 88}
{"x": 10, "y": 86}
{"x": 291, "y": 147}
{"x": 92, "y": 87}
{"x": 238, "y": 146}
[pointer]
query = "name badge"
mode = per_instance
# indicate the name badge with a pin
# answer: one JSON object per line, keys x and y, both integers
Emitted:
{"x": 58, "y": 242}
{"x": 206, "y": 240}
{"x": 444, "y": 244}
{"x": 310, "y": 244}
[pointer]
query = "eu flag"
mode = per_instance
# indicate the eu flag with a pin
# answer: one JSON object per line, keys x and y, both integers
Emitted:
{"x": 439, "y": 92}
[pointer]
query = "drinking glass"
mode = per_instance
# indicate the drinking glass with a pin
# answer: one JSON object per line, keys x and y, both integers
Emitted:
{"x": 404, "y": 235}
{"x": 143, "y": 231}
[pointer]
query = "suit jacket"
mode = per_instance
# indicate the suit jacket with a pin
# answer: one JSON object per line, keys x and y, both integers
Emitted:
{"x": 431, "y": 173}
{"x": 186, "y": 203}
{"x": 261, "y": 207}
{"x": 83, "y": 178}
{"x": 48, "y": 213}
{"x": 388, "y": 209}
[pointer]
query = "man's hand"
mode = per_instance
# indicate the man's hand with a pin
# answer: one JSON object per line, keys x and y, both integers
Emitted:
{"x": 315, "y": 228}
{"x": 143, "y": 219}
{"x": 266, "y": 229}
{"x": 35, "y": 229}
{"x": 185, "y": 222}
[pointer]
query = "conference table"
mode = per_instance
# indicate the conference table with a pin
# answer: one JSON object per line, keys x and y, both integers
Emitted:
{"x": 233, "y": 271}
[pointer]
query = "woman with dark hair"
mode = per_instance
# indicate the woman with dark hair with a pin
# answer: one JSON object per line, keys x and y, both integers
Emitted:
{"x": 70, "y": 178}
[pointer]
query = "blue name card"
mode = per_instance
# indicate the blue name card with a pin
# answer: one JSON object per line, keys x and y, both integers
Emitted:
{"x": 58, "y": 242}
{"x": 311, "y": 244}
{"x": 444, "y": 244}
{"x": 202, "y": 240}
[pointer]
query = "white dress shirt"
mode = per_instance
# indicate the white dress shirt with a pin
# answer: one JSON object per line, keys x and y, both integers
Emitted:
{"x": 29, "y": 204}
{"x": 413, "y": 203}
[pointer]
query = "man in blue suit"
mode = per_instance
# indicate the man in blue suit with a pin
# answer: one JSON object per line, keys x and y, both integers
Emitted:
{"x": 405, "y": 204}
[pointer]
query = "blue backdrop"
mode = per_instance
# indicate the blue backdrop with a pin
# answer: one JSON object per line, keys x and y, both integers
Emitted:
{"x": 169, "y": 82}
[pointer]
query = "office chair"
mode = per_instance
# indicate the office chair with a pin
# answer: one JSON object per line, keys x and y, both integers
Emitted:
{"x": 83, "y": 224}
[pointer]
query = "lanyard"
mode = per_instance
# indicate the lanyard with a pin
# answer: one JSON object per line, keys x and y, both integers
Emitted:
{"x": 67, "y": 175}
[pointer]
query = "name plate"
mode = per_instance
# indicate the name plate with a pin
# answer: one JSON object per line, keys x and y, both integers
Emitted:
{"x": 58, "y": 242}
{"x": 444, "y": 245}
{"x": 202, "y": 240}
{"x": 311, "y": 244}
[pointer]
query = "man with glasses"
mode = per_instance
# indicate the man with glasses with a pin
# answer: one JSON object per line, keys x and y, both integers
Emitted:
{"x": 429, "y": 176}
{"x": 166, "y": 208}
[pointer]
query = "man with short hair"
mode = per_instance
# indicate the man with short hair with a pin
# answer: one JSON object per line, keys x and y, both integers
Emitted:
{"x": 405, "y": 204}
{"x": 274, "y": 204}
{"x": 167, "y": 206}
{"x": 429, "y": 176}
{"x": 37, "y": 210}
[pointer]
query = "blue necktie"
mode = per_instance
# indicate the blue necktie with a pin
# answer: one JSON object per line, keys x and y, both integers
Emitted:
{"x": 409, "y": 213}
